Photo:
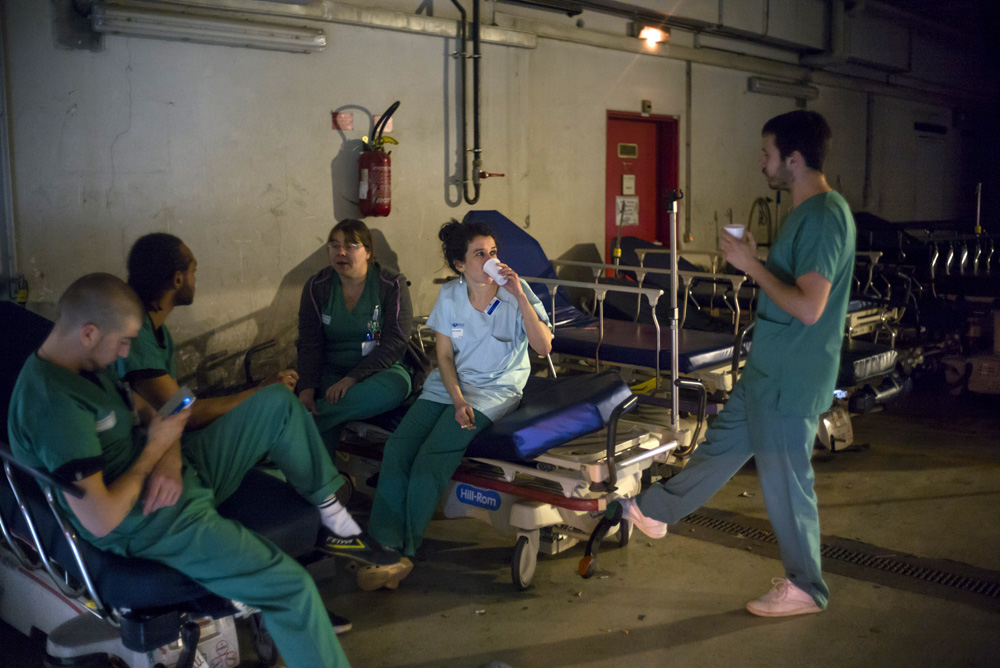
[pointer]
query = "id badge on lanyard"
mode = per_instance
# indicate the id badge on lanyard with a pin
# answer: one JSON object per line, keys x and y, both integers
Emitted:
{"x": 373, "y": 335}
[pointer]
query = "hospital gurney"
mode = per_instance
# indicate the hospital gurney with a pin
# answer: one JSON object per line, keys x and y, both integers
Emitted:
{"x": 93, "y": 603}
{"x": 634, "y": 347}
{"x": 544, "y": 472}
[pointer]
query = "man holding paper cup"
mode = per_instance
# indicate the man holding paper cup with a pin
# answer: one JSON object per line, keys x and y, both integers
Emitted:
{"x": 790, "y": 372}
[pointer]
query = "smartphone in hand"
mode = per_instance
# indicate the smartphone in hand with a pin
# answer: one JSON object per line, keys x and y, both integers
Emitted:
{"x": 181, "y": 399}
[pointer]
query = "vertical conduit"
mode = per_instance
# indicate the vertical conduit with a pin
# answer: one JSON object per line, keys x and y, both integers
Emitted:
{"x": 477, "y": 158}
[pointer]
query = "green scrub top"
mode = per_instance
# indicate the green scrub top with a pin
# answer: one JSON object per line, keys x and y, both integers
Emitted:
{"x": 151, "y": 354}
{"x": 72, "y": 425}
{"x": 791, "y": 365}
{"x": 491, "y": 348}
{"x": 351, "y": 335}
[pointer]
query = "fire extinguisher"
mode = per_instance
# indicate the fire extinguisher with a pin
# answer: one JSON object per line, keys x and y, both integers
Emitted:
{"x": 375, "y": 170}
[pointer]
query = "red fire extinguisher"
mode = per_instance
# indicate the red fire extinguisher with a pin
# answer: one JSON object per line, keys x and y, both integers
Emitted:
{"x": 375, "y": 171}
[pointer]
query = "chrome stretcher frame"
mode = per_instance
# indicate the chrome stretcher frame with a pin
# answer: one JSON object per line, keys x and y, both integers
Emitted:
{"x": 549, "y": 503}
{"x": 688, "y": 279}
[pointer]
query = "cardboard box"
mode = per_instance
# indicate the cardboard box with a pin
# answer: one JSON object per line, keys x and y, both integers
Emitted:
{"x": 985, "y": 375}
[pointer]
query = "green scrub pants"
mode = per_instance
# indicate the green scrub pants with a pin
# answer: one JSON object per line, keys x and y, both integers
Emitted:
{"x": 420, "y": 458}
{"x": 224, "y": 556}
{"x": 782, "y": 448}
{"x": 374, "y": 395}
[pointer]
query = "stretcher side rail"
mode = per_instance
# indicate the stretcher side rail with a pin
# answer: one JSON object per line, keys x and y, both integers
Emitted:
{"x": 600, "y": 292}
{"x": 689, "y": 279}
{"x": 716, "y": 258}
{"x": 57, "y": 573}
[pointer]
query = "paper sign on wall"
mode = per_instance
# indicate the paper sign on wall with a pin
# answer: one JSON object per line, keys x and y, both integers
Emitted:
{"x": 627, "y": 210}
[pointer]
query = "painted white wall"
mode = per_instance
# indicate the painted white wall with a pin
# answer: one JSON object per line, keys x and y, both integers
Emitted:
{"x": 569, "y": 106}
{"x": 232, "y": 150}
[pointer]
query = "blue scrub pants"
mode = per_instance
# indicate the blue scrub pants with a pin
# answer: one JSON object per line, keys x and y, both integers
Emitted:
{"x": 224, "y": 556}
{"x": 420, "y": 458}
{"x": 782, "y": 449}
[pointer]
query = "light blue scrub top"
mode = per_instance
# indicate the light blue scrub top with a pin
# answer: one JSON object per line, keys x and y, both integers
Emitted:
{"x": 491, "y": 348}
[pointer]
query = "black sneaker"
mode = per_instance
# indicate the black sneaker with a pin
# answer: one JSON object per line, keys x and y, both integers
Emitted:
{"x": 341, "y": 625}
{"x": 361, "y": 548}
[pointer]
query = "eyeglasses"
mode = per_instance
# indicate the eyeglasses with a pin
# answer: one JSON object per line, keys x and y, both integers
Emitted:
{"x": 337, "y": 247}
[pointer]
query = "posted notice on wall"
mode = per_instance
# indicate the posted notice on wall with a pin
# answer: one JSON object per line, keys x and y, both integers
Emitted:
{"x": 627, "y": 210}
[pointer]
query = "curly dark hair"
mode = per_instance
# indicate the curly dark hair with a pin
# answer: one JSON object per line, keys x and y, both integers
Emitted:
{"x": 455, "y": 238}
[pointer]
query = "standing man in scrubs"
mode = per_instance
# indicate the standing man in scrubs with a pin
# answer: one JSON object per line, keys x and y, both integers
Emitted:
{"x": 790, "y": 372}
{"x": 70, "y": 417}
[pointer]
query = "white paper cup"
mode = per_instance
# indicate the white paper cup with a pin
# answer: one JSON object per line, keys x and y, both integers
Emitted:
{"x": 735, "y": 230}
{"x": 493, "y": 271}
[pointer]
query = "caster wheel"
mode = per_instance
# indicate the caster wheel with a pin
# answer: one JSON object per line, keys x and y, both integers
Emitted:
{"x": 624, "y": 533}
{"x": 522, "y": 565}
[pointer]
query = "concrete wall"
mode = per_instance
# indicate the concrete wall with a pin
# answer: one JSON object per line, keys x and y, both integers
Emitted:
{"x": 232, "y": 150}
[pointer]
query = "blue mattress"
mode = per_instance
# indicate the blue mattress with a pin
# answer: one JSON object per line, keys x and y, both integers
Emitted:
{"x": 552, "y": 413}
{"x": 632, "y": 343}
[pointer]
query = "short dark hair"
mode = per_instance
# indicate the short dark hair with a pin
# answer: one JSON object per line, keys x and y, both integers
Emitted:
{"x": 804, "y": 131}
{"x": 152, "y": 264}
{"x": 99, "y": 299}
{"x": 455, "y": 238}
{"x": 355, "y": 231}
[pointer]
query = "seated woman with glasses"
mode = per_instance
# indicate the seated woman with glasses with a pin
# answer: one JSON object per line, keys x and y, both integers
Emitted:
{"x": 355, "y": 320}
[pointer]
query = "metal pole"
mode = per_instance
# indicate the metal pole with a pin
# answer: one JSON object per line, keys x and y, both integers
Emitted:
{"x": 672, "y": 198}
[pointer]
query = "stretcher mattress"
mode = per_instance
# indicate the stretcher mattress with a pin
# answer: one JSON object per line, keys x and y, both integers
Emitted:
{"x": 862, "y": 360}
{"x": 552, "y": 414}
{"x": 632, "y": 343}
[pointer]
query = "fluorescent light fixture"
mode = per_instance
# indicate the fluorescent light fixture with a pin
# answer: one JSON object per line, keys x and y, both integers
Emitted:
{"x": 204, "y": 29}
{"x": 799, "y": 91}
{"x": 653, "y": 35}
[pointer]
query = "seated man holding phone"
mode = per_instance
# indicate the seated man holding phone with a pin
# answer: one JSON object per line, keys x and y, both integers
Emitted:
{"x": 161, "y": 270}
{"x": 144, "y": 495}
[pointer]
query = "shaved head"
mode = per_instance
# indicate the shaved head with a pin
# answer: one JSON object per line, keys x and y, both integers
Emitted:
{"x": 102, "y": 300}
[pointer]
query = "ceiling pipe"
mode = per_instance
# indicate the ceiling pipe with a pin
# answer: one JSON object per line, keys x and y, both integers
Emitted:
{"x": 837, "y": 40}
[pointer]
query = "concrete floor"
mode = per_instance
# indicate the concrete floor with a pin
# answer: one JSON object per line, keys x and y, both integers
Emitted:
{"x": 927, "y": 492}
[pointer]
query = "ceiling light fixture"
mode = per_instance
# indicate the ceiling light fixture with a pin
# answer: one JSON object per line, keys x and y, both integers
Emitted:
{"x": 652, "y": 35}
{"x": 799, "y": 91}
{"x": 205, "y": 29}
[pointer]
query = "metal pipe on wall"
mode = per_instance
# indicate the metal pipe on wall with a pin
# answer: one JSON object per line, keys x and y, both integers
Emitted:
{"x": 476, "y": 55}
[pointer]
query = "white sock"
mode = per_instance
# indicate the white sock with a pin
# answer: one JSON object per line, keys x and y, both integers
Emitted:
{"x": 336, "y": 518}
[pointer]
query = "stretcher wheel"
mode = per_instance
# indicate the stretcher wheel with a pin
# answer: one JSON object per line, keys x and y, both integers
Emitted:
{"x": 624, "y": 533}
{"x": 522, "y": 566}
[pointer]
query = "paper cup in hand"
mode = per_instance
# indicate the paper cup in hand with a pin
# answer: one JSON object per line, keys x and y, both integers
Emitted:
{"x": 493, "y": 271}
{"x": 735, "y": 230}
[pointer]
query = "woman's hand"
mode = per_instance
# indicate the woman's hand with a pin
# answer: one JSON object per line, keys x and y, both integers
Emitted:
{"x": 465, "y": 416}
{"x": 308, "y": 399}
{"x": 289, "y": 378}
{"x": 513, "y": 284}
{"x": 336, "y": 392}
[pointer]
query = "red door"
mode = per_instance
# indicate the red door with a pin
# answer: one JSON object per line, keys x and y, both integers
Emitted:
{"x": 641, "y": 164}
